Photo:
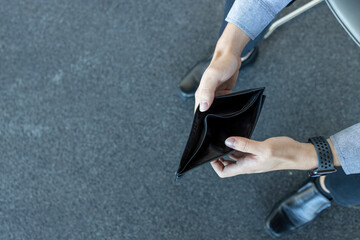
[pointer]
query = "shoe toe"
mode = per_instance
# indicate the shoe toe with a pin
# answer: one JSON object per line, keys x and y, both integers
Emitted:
{"x": 190, "y": 82}
{"x": 188, "y": 86}
{"x": 277, "y": 223}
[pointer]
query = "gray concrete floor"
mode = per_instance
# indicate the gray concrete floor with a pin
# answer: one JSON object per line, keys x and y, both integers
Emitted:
{"x": 92, "y": 126}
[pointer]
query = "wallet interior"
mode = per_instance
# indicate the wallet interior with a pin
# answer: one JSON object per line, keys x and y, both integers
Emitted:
{"x": 235, "y": 114}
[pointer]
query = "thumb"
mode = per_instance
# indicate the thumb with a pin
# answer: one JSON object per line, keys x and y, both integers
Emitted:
{"x": 205, "y": 93}
{"x": 244, "y": 145}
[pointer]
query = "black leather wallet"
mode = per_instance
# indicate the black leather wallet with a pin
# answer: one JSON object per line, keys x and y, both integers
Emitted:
{"x": 235, "y": 114}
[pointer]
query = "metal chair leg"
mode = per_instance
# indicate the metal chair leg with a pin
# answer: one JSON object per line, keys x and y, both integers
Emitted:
{"x": 290, "y": 16}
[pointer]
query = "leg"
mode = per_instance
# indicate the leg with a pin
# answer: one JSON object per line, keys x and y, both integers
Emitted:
{"x": 344, "y": 189}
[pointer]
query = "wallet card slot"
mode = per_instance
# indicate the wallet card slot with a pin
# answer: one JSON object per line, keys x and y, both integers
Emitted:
{"x": 233, "y": 114}
{"x": 224, "y": 105}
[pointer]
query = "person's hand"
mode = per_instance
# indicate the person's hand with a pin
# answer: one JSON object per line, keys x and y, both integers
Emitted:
{"x": 221, "y": 75}
{"x": 276, "y": 153}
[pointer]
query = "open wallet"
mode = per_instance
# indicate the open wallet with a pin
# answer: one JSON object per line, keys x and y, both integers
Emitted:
{"x": 235, "y": 114}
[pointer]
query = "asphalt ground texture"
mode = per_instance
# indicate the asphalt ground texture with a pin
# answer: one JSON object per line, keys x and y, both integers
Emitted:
{"x": 92, "y": 125}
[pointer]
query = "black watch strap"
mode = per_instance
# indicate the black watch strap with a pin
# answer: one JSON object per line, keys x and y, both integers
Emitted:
{"x": 325, "y": 157}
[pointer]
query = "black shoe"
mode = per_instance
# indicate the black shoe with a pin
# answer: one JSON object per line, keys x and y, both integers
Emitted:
{"x": 190, "y": 82}
{"x": 296, "y": 211}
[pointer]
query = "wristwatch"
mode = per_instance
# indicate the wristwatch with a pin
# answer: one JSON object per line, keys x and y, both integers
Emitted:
{"x": 325, "y": 157}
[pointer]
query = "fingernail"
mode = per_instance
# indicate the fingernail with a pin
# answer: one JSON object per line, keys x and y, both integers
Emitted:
{"x": 230, "y": 142}
{"x": 203, "y": 106}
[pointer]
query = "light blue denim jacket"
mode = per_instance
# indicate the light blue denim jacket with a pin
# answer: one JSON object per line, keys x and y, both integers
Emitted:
{"x": 252, "y": 16}
{"x": 347, "y": 147}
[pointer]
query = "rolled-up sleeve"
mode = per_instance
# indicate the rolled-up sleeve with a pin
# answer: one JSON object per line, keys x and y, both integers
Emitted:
{"x": 252, "y": 16}
{"x": 347, "y": 147}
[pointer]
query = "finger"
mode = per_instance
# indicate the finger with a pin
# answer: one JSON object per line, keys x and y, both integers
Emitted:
{"x": 205, "y": 93}
{"x": 225, "y": 171}
{"x": 237, "y": 155}
{"x": 220, "y": 167}
{"x": 239, "y": 167}
{"x": 225, "y": 162}
{"x": 244, "y": 145}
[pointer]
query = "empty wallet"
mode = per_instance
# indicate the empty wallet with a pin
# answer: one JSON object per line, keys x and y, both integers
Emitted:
{"x": 235, "y": 114}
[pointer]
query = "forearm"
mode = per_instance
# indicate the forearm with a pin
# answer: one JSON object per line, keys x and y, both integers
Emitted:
{"x": 233, "y": 41}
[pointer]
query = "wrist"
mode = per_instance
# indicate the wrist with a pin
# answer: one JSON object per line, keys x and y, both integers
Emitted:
{"x": 233, "y": 40}
{"x": 306, "y": 158}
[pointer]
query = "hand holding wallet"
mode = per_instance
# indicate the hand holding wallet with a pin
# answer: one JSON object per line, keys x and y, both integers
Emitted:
{"x": 235, "y": 114}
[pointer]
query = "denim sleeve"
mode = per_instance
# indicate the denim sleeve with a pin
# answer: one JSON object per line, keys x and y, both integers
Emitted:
{"x": 252, "y": 16}
{"x": 347, "y": 147}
